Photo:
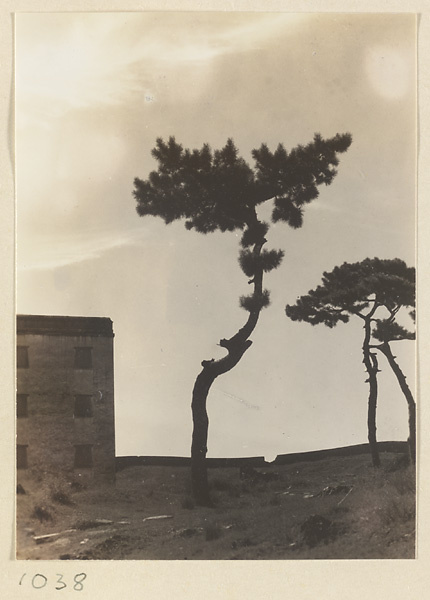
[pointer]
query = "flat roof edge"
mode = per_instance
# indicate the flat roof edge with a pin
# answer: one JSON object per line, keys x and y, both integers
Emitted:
{"x": 63, "y": 325}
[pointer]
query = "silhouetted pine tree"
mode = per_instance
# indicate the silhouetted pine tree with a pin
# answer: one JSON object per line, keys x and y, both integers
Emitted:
{"x": 218, "y": 190}
{"x": 387, "y": 331}
{"x": 361, "y": 289}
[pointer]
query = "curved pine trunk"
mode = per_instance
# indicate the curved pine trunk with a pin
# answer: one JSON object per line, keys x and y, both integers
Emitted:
{"x": 371, "y": 364}
{"x": 199, "y": 478}
{"x": 211, "y": 370}
{"x": 386, "y": 350}
{"x": 236, "y": 346}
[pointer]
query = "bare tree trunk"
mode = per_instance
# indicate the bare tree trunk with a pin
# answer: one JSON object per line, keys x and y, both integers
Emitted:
{"x": 386, "y": 350}
{"x": 199, "y": 477}
{"x": 371, "y": 363}
{"x": 371, "y": 414}
{"x": 211, "y": 370}
{"x": 236, "y": 346}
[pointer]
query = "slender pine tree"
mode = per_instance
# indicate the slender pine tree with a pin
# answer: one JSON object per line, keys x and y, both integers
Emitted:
{"x": 219, "y": 191}
{"x": 387, "y": 331}
{"x": 364, "y": 289}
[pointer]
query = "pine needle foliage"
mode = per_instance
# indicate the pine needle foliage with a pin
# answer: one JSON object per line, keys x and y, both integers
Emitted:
{"x": 353, "y": 288}
{"x": 255, "y": 302}
{"x": 387, "y": 330}
{"x": 266, "y": 260}
{"x": 271, "y": 259}
{"x": 220, "y": 191}
{"x": 374, "y": 290}
{"x": 253, "y": 233}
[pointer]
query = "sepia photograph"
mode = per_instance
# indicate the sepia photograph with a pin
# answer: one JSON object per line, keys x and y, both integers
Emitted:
{"x": 215, "y": 286}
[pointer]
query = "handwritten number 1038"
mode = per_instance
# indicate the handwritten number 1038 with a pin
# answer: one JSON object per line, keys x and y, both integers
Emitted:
{"x": 39, "y": 581}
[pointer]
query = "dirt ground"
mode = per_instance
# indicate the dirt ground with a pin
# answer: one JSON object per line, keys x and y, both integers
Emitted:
{"x": 337, "y": 508}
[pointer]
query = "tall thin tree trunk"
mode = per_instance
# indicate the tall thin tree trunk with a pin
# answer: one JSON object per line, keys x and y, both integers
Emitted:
{"x": 371, "y": 364}
{"x": 199, "y": 477}
{"x": 236, "y": 346}
{"x": 386, "y": 350}
{"x": 371, "y": 414}
{"x": 211, "y": 370}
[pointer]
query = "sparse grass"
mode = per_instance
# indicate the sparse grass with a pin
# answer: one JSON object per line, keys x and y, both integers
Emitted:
{"x": 245, "y": 487}
{"x": 61, "y": 497}
{"x": 188, "y": 532}
{"x": 221, "y": 485}
{"x": 225, "y": 485}
{"x": 188, "y": 503}
{"x": 275, "y": 500}
{"x": 339, "y": 510}
{"x": 247, "y": 542}
{"x": 212, "y": 532}
{"x": 397, "y": 511}
{"x": 77, "y": 486}
{"x": 234, "y": 491}
{"x": 404, "y": 481}
{"x": 397, "y": 506}
{"x": 88, "y": 524}
{"x": 317, "y": 529}
{"x": 299, "y": 482}
{"x": 112, "y": 547}
{"x": 251, "y": 520}
{"x": 398, "y": 463}
{"x": 42, "y": 513}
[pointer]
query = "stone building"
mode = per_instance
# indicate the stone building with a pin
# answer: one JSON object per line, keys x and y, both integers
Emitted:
{"x": 65, "y": 395}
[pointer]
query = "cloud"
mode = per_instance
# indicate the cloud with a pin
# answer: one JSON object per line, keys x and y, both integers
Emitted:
{"x": 60, "y": 250}
{"x": 100, "y": 59}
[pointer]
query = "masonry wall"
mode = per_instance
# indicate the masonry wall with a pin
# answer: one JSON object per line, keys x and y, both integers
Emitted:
{"x": 50, "y": 430}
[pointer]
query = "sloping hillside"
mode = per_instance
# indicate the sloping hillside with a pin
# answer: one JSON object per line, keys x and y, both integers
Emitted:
{"x": 334, "y": 508}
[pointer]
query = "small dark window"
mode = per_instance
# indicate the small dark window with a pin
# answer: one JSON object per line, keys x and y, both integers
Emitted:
{"x": 83, "y": 456}
{"x": 22, "y": 357}
{"x": 21, "y": 405}
{"x": 21, "y": 456}
{"x": 83, "y": 406}
{"x": 83, "y": 358}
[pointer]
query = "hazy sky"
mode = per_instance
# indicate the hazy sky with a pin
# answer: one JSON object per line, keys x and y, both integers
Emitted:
{"x": 94, "y": 91}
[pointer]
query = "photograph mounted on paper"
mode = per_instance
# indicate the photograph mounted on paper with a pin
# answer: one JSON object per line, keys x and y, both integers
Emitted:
{"x": 215, "y": 285}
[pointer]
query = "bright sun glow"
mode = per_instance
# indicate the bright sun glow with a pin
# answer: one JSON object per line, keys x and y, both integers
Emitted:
{"x": 389, "y": 71}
